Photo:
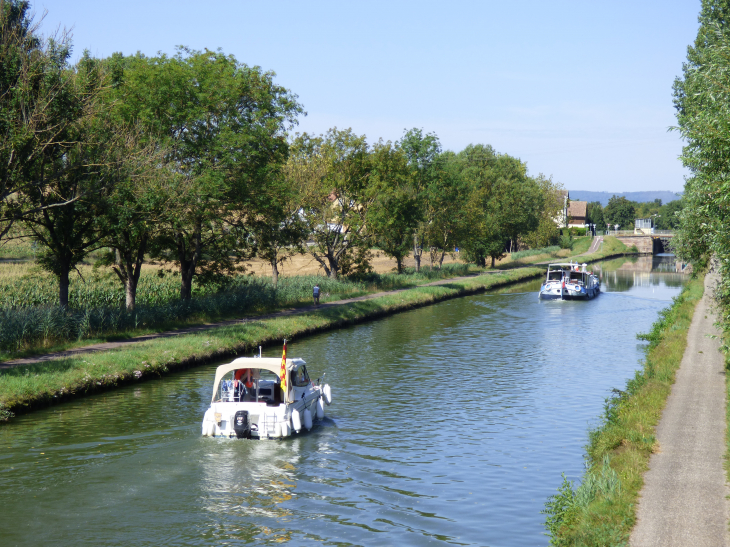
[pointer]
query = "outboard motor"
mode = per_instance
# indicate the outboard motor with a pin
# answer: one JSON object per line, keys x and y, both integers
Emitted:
{"x": 242, "y": 425}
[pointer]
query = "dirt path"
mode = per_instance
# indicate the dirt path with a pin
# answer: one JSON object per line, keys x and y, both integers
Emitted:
{"x": 684, "y": 498}
{"x": 200, "y": 328}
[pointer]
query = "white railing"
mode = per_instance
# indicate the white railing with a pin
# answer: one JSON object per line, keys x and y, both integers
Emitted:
{"x": 639, "y": 232}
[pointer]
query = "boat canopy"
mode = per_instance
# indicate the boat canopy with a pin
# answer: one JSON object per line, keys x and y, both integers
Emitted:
{"x": 271, "y": 364}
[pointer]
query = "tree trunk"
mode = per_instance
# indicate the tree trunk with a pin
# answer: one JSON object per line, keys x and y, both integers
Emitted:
{"x": 441, "y": 259}
{"x": 186, "y": 282}
{"x": 416, "y": 254}
{"x": 492, "y": 262}
{"x": 131, "y": 293}
{"x": 63, "y": 286}
{"x": 399, "y": 263}
{"x": 274, "y": 272}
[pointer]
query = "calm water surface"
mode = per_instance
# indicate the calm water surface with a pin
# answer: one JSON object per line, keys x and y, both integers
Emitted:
{"x": 449, "y": 424}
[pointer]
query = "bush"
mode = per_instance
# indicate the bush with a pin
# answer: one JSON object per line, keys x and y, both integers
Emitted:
{"x": 566, "y": 242}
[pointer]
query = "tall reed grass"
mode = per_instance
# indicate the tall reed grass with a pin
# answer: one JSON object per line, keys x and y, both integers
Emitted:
{"x": 29, "y": 315}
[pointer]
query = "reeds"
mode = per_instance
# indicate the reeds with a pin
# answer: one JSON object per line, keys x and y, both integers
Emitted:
{"x": 29, "y": 316}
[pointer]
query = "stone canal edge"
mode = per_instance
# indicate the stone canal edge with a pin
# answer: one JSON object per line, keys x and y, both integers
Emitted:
{"x": 684, "y": 500}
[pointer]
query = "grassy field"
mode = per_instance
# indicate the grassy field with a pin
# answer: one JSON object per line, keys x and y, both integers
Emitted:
{"x": 601, "y": 511}
{"x": 32, "y": 386}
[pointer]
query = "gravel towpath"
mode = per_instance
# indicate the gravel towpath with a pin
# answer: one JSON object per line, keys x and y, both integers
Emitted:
{"x": 684, "y": 498}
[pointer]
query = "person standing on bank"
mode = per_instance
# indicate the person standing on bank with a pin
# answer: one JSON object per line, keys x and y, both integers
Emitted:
{"x": 315, "y": 293}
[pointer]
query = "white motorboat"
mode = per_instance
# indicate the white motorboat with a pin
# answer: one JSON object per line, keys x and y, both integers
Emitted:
{"x": 260, "y": 398}
{"x": 569, "y": 281}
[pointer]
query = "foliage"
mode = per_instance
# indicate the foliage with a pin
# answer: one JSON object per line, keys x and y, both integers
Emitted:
{"x": 702, "y": 102}
{"x": 396, "y": 208}
{"x": 594, "y": 215}
{"x": 620, "y": 211}
{"x": 330, "y": 175}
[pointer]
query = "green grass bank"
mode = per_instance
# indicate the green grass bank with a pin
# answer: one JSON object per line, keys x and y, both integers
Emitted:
{"x": 602, "y": 509}
{"x": 34, "y": 386}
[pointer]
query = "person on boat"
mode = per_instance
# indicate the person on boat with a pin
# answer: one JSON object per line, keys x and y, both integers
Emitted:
{"x": 241, "y": 381}
{"x": 315, "y": 294}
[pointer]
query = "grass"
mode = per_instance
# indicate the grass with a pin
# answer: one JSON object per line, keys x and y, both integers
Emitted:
{"x": 551, "y": 251}
{"x": 601, "y": 511}
{"x": 29, "y": 322}
{"x": 33, "y": 386}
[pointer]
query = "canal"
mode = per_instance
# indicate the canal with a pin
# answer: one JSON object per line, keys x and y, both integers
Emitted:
{"x": 450, "y": 424}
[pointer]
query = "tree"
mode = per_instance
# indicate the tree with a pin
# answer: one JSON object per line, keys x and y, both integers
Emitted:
{"x": 445, "y": 197}
{"x": 547, "y": 231}
{"x": 620, "y": 211}
{"x": 330, "y": 174}
{"x": 394, "y": 212}
{"x": 594, "y": 215}
{"x": 39, "y": 110}
{"x": 62, "y": 209}
{"x": 277, "y": 229}
{"x": 421, "y": 150}
{"x": 224, "y": 124}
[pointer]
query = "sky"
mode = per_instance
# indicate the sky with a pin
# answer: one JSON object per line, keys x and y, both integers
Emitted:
{"x": 580, "y": 91}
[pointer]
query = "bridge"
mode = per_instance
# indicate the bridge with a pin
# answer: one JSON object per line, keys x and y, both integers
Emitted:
{"x": 658, "y": 241}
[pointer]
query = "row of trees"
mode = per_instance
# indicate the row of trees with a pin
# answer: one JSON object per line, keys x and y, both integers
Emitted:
{"x": 623, "y": 212}
{"x": 190, "y": 159}
{"x": 702, "y": 102}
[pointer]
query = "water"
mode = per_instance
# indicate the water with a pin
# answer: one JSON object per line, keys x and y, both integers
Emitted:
{"x": 450, "y": 424}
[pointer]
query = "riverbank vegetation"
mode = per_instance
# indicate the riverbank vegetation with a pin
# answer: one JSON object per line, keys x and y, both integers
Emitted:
{"x": 702, "y": 102}
{"x": 601, "y": 510}
{"x": 31, "y": 386}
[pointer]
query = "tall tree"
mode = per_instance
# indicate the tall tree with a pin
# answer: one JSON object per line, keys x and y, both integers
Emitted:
{"x": 445, "y": 196}
{"x": 394, "y": 213}
{"x": 224, "y": 124}
{"x": 39, "y": 107}
{"x": 331, "y": 174}
{"x": 547, "y": 231}
{"x": 422, "y": 150}
{"x": 63, "y": 208}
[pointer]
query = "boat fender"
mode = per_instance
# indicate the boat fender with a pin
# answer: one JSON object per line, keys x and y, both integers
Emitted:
{"x": 320, "y": 408}
{"x": 295, "y": 421}
{"x": 277, "y": 430}
{"x": 285, "y": 428}
{"x": 307, "y": 419}
{"x": 327, "y": 392}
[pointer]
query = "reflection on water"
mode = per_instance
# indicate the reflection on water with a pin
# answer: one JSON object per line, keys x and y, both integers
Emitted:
{"x": 450, "y": 423}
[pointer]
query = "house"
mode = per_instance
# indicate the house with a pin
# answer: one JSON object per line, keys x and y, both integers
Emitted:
{"x": 577, "y": 212}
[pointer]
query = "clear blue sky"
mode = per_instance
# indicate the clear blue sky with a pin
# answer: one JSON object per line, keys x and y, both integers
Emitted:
{"x": 581, "y": 91}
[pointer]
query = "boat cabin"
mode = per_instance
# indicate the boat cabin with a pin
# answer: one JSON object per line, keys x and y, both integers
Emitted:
{"x": 239, "y": 381}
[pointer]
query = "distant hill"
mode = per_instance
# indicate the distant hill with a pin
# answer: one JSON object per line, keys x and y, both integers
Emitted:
{"x": 603, "y": 197}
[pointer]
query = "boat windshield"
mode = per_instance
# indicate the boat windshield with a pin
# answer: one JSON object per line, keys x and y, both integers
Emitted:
{"x": 576, "y": 277}
{"x": 300, "y": 377}
{"x": 555, "y": 275}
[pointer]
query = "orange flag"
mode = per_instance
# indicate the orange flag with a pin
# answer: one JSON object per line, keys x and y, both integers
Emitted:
{"x": 282, "y": 373}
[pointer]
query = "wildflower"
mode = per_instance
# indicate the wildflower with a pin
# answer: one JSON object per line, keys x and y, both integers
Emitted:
{"x": 138, "y": 374}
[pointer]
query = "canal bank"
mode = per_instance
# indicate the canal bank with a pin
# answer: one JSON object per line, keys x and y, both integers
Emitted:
{"x": 602, "y": 510}
{"x": 48, "y": 381}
